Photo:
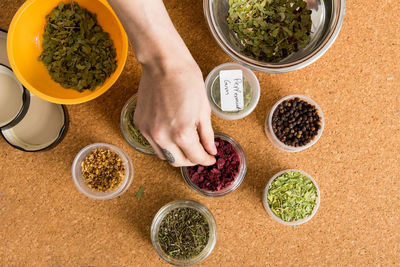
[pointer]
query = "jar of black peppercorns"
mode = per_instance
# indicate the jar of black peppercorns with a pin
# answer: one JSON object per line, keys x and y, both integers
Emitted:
{"x": 294, "y": 123}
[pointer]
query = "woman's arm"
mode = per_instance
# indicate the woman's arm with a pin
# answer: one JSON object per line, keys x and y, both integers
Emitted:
{"x": 173, "y": 112}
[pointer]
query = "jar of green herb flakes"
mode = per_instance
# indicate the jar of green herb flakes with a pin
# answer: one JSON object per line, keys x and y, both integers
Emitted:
{"x": 251, "y": 91}
{"x": 291, "y": 197}
{"x": 183, "y": 232}
{"x": 130, "y": 132}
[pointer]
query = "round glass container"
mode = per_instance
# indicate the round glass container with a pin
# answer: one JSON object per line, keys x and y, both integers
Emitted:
{"x": 234, "y": 185}
{"x": 126, "y": 123}
{"x": 251, "y": 87}
{"x": 276, "y": 218}
{"x": 278, "y": 143}
{"x": 183, "y": 204}
{"x": 80, "y": 182}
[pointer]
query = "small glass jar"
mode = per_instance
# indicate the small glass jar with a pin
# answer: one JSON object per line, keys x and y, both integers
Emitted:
{"x": 183, "y": 204}
{"x": 278, "y": 143}
{"x": 251, "y": 86}
{"x": 126, "y": 119}
{"x": 276, "y": 218}
{"x": 234, "y": 185}
{"x": 80, "y": 182}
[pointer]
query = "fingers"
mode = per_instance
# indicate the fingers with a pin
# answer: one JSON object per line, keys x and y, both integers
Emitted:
{"x": 182, "y": 146}
{"x": 187, "y": 139}
{"x": 165, "y": 148}
{"x": 206, "y": 134}
{"x": 154, "y": 145}
{"x": 175, "y": 156}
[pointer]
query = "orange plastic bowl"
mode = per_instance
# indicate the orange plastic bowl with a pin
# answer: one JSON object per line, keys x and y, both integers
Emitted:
{"x": 24, "y": 45}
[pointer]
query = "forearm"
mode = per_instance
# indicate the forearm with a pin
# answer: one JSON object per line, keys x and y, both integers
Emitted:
{"x": 152, "y": 34}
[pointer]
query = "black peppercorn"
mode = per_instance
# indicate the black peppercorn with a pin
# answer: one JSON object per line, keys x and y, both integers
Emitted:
{"x": 298, "y": 120}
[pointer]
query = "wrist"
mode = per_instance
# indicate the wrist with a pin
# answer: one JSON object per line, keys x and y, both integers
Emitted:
{"x": 165, "y": 57}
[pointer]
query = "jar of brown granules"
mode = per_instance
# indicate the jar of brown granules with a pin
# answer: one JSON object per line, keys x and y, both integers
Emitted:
{"x": 102, "y": 171}
{"x": 294, "y": 123}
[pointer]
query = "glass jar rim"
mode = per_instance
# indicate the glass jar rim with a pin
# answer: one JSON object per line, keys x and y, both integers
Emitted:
{"x": 278, "y": 143}
{"x": 276, "y": 218}
{"x": 81, "y": 184}
{"x": 163, "y": 211}
{"x": 237, "y": 181}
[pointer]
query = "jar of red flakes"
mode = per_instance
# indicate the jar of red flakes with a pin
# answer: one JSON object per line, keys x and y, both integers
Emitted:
{"x": 224, "y": 176}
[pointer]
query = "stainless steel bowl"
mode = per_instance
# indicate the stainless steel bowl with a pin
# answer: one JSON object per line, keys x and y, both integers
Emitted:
{"x": 327, "y": 19}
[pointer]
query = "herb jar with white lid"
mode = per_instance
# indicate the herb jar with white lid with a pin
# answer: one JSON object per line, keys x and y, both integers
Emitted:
{"x": 129, "y": 130}
{"x": 163, "y": 212}
{"x": 81, "y": 184}
{"x": 280, "y": 220}
{"x": 251, "y": 91}
{"x": 275, "y": 140}
{"x": 242, "y": 169}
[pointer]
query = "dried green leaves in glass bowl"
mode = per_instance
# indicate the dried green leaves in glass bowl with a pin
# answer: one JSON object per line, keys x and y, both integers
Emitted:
{"x": 270, "y": 30}
{"x": 76, "y": 51}
{"x": 291, "y": 197}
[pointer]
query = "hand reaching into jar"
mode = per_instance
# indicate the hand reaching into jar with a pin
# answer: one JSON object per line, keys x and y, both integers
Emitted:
{"x": 172, "y": 111}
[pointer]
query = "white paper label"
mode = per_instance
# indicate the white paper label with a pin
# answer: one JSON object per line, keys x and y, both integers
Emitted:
{"x": 231, "y": 88}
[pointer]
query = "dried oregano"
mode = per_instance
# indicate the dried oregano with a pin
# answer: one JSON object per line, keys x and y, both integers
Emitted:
{"x": 292, "y": 196}
{"x": 270, "y": 30}
{"x": 76, "y": 51}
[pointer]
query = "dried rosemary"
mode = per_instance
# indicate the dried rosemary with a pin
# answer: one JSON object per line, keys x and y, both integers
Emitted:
{"x": 270, "y": 30}
{"x": 183, "y": 233}
{"x": 76, "y": 51}
{"x": 103, "y": 170}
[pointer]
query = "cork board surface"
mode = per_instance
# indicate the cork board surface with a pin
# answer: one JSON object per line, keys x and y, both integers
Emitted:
{"x": 45, "y": 221}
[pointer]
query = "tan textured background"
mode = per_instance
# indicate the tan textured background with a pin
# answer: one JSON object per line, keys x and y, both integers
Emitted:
{"x": 44, "y": 220}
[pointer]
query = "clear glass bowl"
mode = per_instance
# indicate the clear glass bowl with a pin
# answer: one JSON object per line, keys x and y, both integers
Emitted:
{"x": 278, "y": 143}
{"x": 126, "y": 111}
{"x": 183, "y": 204}
{"x": 327, "y": 19}
{"x": 234, "y": 185}
{"x": 85, "y": 189}
{"x": 248, "y": 75}
{"x": 276, "y": 218}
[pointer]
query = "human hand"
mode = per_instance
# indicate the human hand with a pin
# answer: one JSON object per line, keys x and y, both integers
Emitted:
{"x": 173, "y": 113}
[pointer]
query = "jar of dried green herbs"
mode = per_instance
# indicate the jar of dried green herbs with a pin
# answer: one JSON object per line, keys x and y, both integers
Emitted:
{"x": 250, "y": 89}
{"x": 291, "y": 197}
{"x": 183, "y": 232}
{"x": 130, "y": 132}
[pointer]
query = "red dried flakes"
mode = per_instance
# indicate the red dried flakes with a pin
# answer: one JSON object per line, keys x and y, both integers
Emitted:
{"x": 220, "y": 175}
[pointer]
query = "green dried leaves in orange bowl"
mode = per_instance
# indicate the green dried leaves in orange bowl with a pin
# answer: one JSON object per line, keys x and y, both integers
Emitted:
{"x": 76, "y": 51}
